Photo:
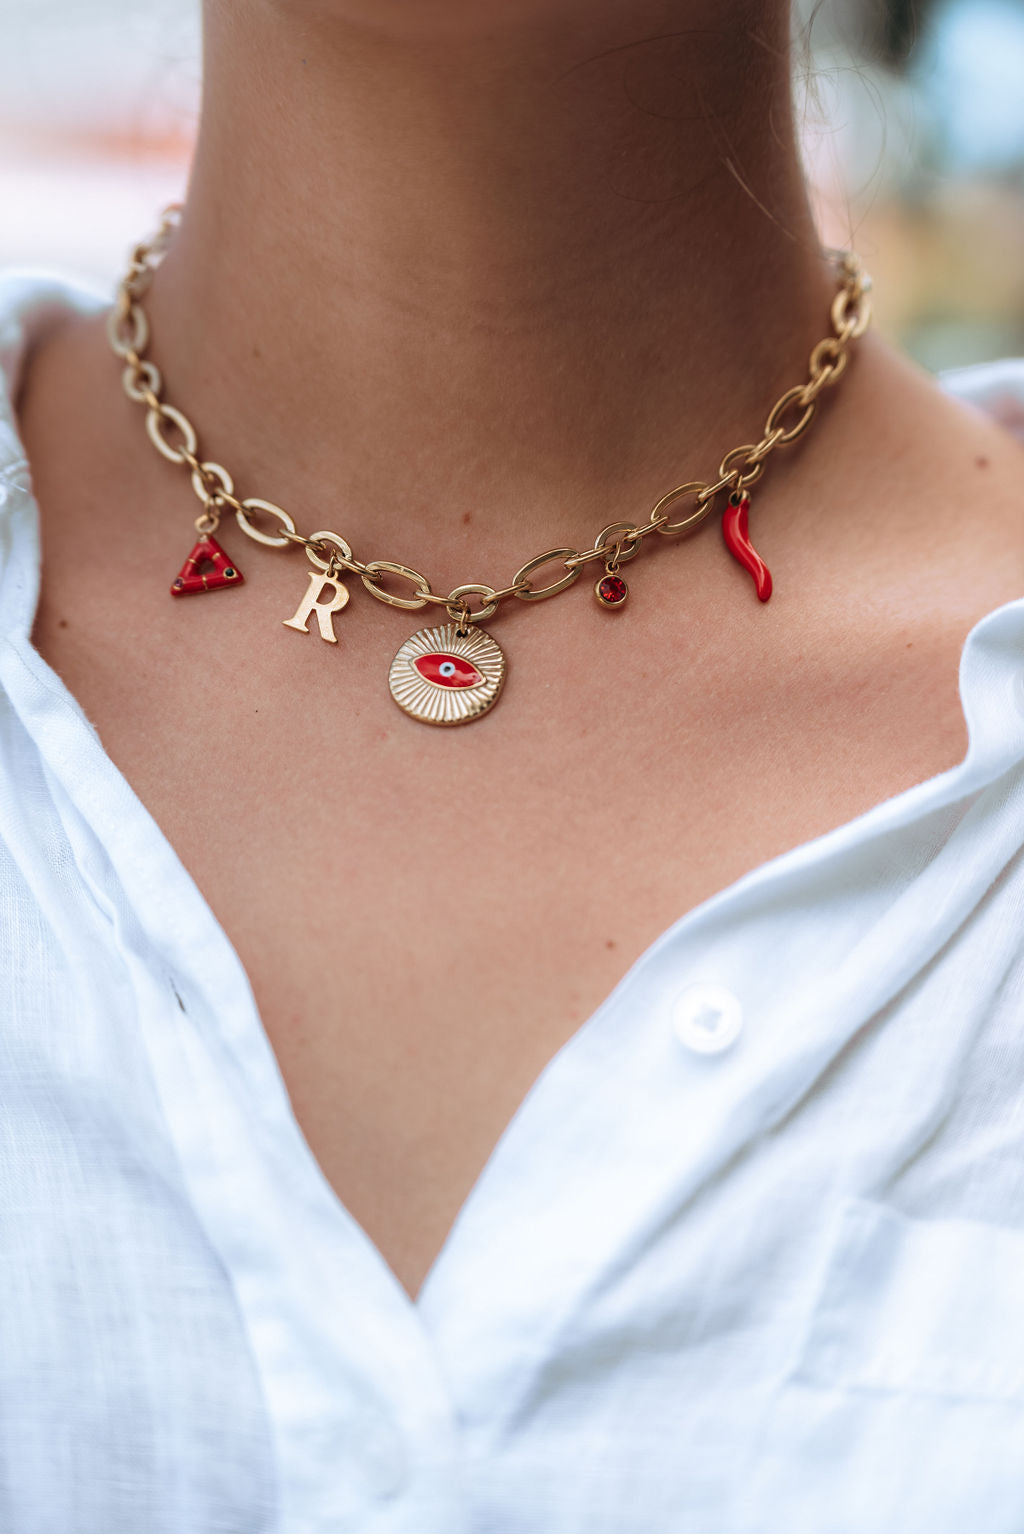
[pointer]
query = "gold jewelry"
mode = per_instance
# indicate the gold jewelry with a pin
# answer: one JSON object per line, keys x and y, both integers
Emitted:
{"x": 454, "y": 673}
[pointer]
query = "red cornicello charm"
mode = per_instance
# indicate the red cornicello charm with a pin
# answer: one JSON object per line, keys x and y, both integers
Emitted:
{"x": 207, "y": 568}
{"x": 737, "y": 541}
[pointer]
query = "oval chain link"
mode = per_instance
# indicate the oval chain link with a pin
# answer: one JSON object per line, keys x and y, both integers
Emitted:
{"x": 316, "y": 541}
{"x": 528, "y": 592}
{"x": 773, "y": 424}
{"x": 134, "y": 316}
{"x": 269, "y": 540}
{"x": 160, "y": 413}
{"x": 128, "y": 333}
{"x": 212, "y": 482}
{"x": 142, "y": 383}
{"x": 659, "y": 512}
{"x": 375, "y": 568}
{"x": 462, "y": 612}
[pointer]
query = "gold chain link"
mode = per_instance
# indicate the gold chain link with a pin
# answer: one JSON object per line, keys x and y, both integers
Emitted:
{"x": 176, "y": 439}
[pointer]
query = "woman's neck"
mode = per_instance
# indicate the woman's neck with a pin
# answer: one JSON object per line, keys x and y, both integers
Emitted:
{"x": 510, "y": 275}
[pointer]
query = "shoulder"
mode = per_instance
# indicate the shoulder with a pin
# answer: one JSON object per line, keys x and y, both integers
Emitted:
{"x": 927, "y": 473}
{"x": 995, "y": 388}
{"x": 32, "y": 304}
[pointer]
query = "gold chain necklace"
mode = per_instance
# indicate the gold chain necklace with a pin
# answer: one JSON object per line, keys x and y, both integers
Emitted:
{"x": 453, "y": 673}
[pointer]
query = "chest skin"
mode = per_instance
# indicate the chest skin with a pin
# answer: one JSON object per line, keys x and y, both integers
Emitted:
{"x": 427, "y": 915}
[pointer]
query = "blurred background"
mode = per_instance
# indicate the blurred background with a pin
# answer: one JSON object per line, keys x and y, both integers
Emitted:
{"x": 913, "y": 114}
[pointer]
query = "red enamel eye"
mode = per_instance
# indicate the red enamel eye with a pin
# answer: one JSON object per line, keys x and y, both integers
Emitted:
{"x": 447, "y": 670}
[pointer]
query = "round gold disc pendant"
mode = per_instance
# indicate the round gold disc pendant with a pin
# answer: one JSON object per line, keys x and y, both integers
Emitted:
{"x": 442, "y": 676}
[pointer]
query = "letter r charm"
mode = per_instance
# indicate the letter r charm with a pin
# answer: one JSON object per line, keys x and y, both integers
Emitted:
{"x": 311, "y": 603}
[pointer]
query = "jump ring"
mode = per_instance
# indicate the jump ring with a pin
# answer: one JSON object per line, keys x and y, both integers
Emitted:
{"x": 207, "y": 522}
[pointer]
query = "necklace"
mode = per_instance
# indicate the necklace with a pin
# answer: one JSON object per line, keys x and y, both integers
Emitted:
{"x": 453, "y": 673}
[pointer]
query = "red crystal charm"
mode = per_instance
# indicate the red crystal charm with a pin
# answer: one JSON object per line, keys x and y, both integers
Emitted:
{"x": 207, "y": 568}
{"x": 737, "y": 541}
{"x": 611, "y": 591}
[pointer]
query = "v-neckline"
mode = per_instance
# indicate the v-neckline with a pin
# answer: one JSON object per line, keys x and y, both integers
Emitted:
{"x": 111, "y": 801}
{"x": 184, "y": 894}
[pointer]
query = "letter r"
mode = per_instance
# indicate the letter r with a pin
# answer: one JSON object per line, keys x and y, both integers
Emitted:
{"x": 311, "y": 603}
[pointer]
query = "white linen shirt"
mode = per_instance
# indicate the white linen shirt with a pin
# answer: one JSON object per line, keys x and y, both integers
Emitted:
{"x": 749, "y": 1258}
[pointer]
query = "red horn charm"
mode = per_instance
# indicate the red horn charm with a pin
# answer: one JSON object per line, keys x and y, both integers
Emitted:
{"x": 737, "y": 541}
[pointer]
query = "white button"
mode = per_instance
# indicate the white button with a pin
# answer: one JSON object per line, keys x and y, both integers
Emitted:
{"x": 707, "y": 1018}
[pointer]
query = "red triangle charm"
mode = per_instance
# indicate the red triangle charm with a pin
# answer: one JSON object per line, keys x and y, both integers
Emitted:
{"x": 207, "y": 568}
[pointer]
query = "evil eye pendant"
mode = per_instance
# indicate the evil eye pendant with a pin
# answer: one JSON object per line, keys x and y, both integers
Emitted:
{"x": 447, "y": 676}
